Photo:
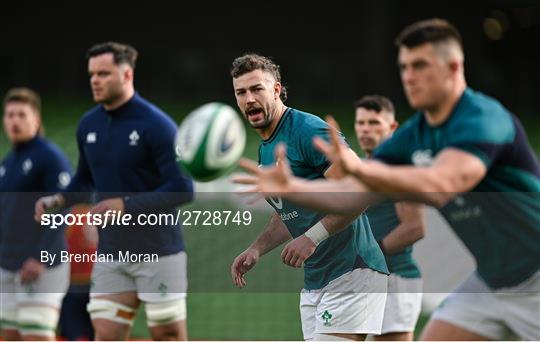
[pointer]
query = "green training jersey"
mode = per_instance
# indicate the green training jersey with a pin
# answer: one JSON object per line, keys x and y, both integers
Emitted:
{"x": 383, "y": 219}
{"x": 499, "y": 220}
{"x": 353, "y": 247}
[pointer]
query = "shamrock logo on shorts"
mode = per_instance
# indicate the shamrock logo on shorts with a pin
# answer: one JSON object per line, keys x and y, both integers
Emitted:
{"x": 162, "y": 289}
{"x": 327, "y": 316}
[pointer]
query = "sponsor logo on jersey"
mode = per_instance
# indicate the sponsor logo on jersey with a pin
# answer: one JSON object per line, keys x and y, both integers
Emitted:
{"x": 422, "y": 158}
{"x": 277, "y": 202}
{"x": 91, "y": 138}
{"x": 466, "y": 214}
{"x": 288, "y": 216}
{"x": 464, "y": 210}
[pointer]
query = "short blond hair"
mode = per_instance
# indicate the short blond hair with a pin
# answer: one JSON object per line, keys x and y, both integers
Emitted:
{"x": 28, "y": 96}
{"x": 24, "y": 95}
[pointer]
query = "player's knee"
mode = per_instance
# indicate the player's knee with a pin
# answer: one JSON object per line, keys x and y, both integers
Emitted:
{"x": 103, "y": 332}
{"x": 110, "y": 311}
{"x": 108, "y": 330}
{"x": 36, "y": 320}
{"x": 165, "y": 312}
{"x": 10, "y": 334}
{"x": 170, "y": 332}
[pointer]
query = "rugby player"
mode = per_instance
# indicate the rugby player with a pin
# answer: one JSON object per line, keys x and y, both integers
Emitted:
{"x": 126, "y": 155}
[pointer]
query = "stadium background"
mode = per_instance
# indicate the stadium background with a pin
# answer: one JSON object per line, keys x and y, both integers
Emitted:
{"x": 330, "y": 55}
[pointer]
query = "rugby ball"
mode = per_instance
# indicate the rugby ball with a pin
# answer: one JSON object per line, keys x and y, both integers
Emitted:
{"x": 210, "y": 140}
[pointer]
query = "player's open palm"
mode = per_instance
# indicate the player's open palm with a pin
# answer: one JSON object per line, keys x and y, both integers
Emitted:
{"x": 242, "y": 264}
{"x": 268, "y": 180}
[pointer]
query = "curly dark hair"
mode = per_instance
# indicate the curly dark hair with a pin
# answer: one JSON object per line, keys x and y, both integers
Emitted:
{"x": 250, "y": 62}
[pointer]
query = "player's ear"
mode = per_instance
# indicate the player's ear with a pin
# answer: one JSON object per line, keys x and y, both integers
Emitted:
{"x": 393, "y": 126}
{"x": 277, "y": 90}
{"x": 128, "y": 74}
{"x": 454, "y": 66}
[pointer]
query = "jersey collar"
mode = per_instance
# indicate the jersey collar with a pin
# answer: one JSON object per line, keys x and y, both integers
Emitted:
{"x": 278, "y": 126}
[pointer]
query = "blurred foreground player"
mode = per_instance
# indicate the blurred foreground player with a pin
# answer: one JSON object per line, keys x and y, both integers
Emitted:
{"x": 126, "y": 154}
{"x": 473, "y": 161}
{"x": 396, "y": 226}
{"x": 344, "y": 274}
{"x": 31, "y": 292}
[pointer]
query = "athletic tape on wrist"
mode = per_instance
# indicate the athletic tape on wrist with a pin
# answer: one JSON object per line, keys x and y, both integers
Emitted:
{"x": 317, "y": 233}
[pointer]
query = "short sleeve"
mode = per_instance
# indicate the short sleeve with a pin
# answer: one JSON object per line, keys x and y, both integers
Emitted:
{"x": 396, "y": 150}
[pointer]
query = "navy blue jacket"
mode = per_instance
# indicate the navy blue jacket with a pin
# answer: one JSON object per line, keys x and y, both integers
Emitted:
{"x": 129, "y": 152}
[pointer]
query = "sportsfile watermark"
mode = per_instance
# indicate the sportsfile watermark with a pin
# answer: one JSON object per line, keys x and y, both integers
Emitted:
{"x": 215, "y": 233}
{"x": 239, "y": 218}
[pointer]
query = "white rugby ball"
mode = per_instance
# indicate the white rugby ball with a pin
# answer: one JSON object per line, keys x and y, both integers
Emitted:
{"x": 210, "y": 141}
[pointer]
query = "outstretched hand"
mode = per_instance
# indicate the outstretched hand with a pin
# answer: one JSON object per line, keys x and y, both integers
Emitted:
{"x": 343, "y": 161}
{"x": 268, "y": 180}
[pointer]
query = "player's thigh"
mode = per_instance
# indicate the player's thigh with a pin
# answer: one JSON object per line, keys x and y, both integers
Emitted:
{"x": 403, "y": 304}
{"x": 113, "y": 314}
{"x": 308, "y": 312}
{"x": 521, "y": 305}
{"x": 437, "y": 330}
{"x": 113, "y": 300}
{"x": 158, "y": 280}
{"x": 471, "y": 310}
{"x": 109, "y": 278}
{"x": 162, "y": 287}
{"x": 353, "y": 304}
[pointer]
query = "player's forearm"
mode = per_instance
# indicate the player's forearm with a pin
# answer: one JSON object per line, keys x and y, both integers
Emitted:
{"x": 336, "y": 223}
{"x": 404, "y": 235}
{"x": 421, "y": 184}
{"x": 273, "y": 235}
{"x": 346, "y": 196}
